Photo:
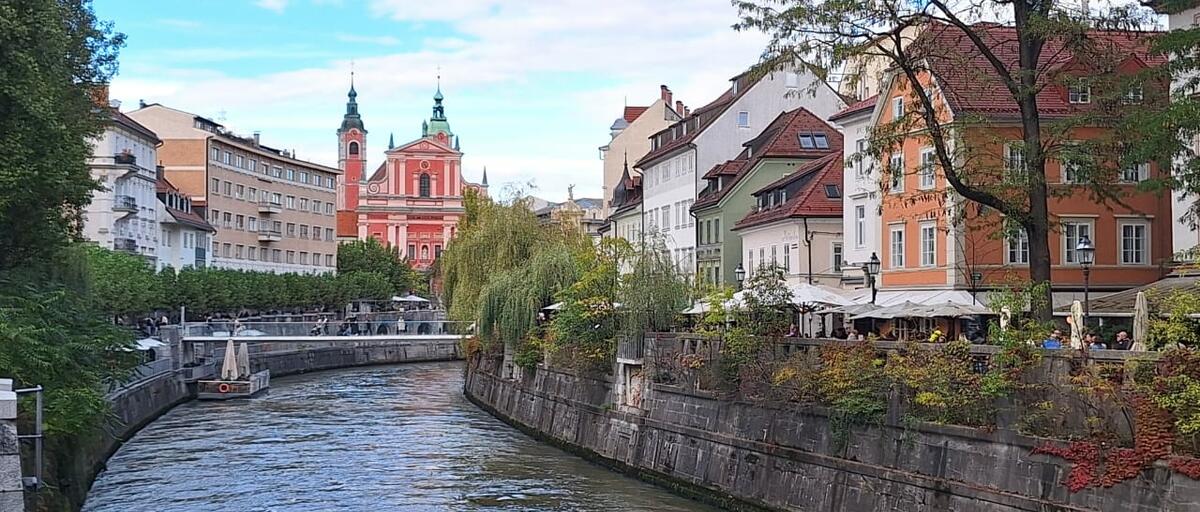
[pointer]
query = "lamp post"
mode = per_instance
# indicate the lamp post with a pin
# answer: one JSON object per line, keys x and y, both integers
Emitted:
{"x": 739, "y": 274}
{"x": 1085, "y": 253}
{"x": 871, "y": 269}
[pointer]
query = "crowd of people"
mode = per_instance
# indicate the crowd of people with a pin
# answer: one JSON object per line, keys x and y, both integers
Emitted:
{"x": 1091, "y": 340}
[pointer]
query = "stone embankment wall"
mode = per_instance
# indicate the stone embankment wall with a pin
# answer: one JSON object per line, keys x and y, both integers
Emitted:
{"x": 753, "y": 457}
{"x": 11, "y": 486}
{"x": 72, "y": 466}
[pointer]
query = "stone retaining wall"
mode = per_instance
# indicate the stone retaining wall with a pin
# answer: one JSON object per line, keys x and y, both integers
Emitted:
{"x": 747, "y": 456}
{"x": 73, "y": 465}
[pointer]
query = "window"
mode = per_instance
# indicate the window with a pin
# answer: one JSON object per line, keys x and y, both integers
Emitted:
{"x": 276, "y": 198}
{"x": 791, "y": 80}
{"x": 1014, "y": 158}
{"x": 328, "y": 182}
{"x": 214, "y": 154}
{"x": 666, "y": 217}
{"x": 291, "y": 257}
{"x": 303, "y": 177}
{"x": 762, "y": 257}
{"x": 237, "y": 251}
{"x": 708, "y": 237}
{"x": 424, "y": 252}
{"x": 328, "y": 234}
{"x": 239, "y": 191}
{"x": 303, "y": 231}
{"x": 252, "y": 165}
{"x": 239, "y": 161}
{"x": 228, "y": 189}
{"x": 1018, "y": 248}
{"x": 860, "y": 226}
{"x": 809, "y": 140}
{"x": 291, "y": 230}
{"x": 717, "y": 230}
{"x": 750, "y": 262}
{"x": 316, "y": 180}
{"x": 291, "y": 202}
{"x": 437, "y": 251}
{"x": 275, "y": 255}
{"x": 225, "y": 160}
{"x": 1079, "y": 94}
{"x": 412, "y": 252}
{"x": 225, "y": 248}
{"x": 832, "y": 192}
{"x": 896, "y": 167}
{"x": 787, "y": 258}
{"x": 303, "y": 258}
{"x": 928, "y": 245}
{"x": 252, "y": 253}
{"x": 1071, "y": 167}
{"x": 252, "y": 194}
{"x": 328, "y": 260}
{"x": 1072, "y": 232}
{"x": 241, "y": 222}
{"x": 897, "y": 247}
{"x": 837, "y": 256}
{"x": 328, "y": 208}
{"x": 227, "y": 219}
{"x": 774, "y": 255}
{"x": 303, "y": 204}
{"x": 252, "y": 224}
{"x": 291, "y": 175}
{"x": 216, "y": 186}
{"x": 424, "y": 185}
{"x": 353, "y": 148}
{"x": 316, "y": 206}
{"x": 277, "y": 171}
{"x": 927, "y": 169}
{"x": 1134, "y": 246}
{"x": 743, "y": 119}
{"x": 1136, "y": 174}
{"x": 897, "y": 108}
{"x": 1133, "y": 94}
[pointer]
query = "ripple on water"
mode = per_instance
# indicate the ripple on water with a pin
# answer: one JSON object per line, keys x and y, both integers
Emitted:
{"x": 373, "y": 439}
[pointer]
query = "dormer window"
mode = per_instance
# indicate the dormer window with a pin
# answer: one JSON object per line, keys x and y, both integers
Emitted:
{"x": 832, "y": 192}
{"x": 1079, "y": 94}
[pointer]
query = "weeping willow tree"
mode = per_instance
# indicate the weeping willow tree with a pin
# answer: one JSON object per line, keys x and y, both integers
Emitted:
{"x": 652, "y": 294}
{"x": 504, "y": 266}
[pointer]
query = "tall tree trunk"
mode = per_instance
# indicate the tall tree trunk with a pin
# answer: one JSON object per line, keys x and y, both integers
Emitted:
{"x": 1037, "y": 222}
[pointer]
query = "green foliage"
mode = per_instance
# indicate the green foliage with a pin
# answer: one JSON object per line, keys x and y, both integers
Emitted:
{"x": 51, "y": 54}
{"x": 651, "y": 293}
{"x": 768, "y": 303}
{"x": 941, "y": 383}
{"x": 1176, "y": 389}
{"x": 1171, "y": 323}
{"x": 587, "y": 319}
{"x": 371, "y": 255}
{"x": 123, "y": 283}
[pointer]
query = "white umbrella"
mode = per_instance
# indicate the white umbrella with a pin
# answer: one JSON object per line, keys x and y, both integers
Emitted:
{"x": 1141, "y": 322}
{"x": 1076, "y": 325}
{"x": 229, "y": 367}
{"x": 955, "y": 310}
{"x": 553, "y": 307}
{"x": 805, "y": 293}
{"x": 409, "y": 298}
{"x": 243, "y": 360}
{"x": 905, "y": 309}
{"x": 149, "y": 343}
{"x": 699, "y": 308}
{"x": 1005, "y": 318}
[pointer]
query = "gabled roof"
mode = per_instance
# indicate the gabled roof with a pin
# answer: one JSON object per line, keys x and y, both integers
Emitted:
{"x": 632, "y": 113}
{"x": 971, "y": 85}
{"x": 807, "y": 193}
{"x": 703, "y": 116}
{"x": 120, "y": 118}
{"x": 727, "y": 168}
{"x": 780, "y": 139}
{"x": 857, "y": 108}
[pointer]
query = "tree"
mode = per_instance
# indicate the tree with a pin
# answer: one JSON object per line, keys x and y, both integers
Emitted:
{"x": 53, "y": 55}
{"x": 371, "y": 255}
{"x": 122, "y": 284}
{"x": 935, "y": 43}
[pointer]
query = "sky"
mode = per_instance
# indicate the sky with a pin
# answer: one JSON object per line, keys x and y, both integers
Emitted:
{"x": 531, "y": 86}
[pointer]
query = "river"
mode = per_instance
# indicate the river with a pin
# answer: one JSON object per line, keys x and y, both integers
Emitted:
{"x": 372, "y": 439}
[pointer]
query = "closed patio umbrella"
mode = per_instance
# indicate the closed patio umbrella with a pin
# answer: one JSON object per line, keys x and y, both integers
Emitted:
{"x": 1141, "y": 322}
{"x": 229, "y": 366}
{"x": 1076, "y": 325}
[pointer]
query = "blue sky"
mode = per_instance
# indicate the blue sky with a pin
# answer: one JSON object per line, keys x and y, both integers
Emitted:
{"x": 531, "y": 85}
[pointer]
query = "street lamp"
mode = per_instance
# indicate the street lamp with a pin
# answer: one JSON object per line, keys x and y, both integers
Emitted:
{"x": 739, "y": 274}
{"x": 1085, "y": 252}
{"x": 871, "y": 269}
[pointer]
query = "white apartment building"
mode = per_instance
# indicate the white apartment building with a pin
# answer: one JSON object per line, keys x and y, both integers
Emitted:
{"x": 710, "y": 135}
{"x": 123, "y": 214}
{"x": 183, "y": 242}
{"x": 630, "y": 138}
{"x": 1184, "y": 235}
{"x": 860, "y": 186}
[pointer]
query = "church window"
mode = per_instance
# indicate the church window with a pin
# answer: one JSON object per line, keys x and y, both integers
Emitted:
{"x": 424, "y": 252}
{"x": 424, "y": 188}
{"x": 353, "y": 148}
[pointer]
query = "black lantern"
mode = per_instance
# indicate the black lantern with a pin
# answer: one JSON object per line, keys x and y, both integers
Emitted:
{"x": 871, "y": 269}
{"x": 739, "y": 274}
{"x": 1085, "y": 253}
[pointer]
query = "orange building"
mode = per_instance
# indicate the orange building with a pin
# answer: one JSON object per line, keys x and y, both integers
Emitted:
{"x": 932, "y": 240}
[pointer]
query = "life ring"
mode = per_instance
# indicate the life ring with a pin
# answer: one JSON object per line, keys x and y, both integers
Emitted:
{"x": 223, "y": 387}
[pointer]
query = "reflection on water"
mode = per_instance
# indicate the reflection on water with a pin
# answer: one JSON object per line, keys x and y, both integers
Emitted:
{"x": 373, "y": 439}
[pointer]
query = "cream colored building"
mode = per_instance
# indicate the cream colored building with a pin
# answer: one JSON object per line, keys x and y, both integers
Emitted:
{"x": 272, "y": 212}
{"x": 631, "y": 138}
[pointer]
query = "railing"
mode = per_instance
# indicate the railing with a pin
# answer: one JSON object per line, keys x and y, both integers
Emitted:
{"x": 125, "y": 203}
{"x": 631, "y": 349}
{"x": 125, "y": 158}
{"x": 269, "y": 235}
{"x": 247, "y": 331}
{"x": 144, "y": 372}
{"x": 125, "y": 244}
{"x": 266, "y": 206}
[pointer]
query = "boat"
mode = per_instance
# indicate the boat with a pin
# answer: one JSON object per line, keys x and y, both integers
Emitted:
{"x": 236, "y": 379}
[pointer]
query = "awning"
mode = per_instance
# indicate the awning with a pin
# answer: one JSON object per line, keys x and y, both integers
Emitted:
{"x": 409, "y": 298}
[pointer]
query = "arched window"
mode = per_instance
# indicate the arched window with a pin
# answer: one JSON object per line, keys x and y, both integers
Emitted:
{"x": 353, "y": 148}
{"x": 424, "y": 252}
{"x": 424, "y": 185}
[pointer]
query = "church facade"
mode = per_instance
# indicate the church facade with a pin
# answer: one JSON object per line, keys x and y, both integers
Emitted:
{"x": 414, "y": 199}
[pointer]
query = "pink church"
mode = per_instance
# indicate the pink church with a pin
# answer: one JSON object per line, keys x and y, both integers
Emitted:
{"x": 414, "y": 199}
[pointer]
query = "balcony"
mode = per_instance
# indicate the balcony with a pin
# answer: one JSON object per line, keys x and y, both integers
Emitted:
{"x": 125, "y": 204}
{"x": 269, "y": 235}
{"x": 125, "y": 245}
{"x": 125, "y": 159}
{"x": 269, "y": 207}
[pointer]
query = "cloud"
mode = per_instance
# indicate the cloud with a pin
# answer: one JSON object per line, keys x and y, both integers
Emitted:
{"x": 377, "y": 40}
{"x": 273, "y": 5}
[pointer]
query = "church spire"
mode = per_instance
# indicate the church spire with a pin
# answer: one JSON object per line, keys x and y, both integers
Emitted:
{"x": 485, "y": 177}
{"x": 391, "y": 140}
{"x": 352, "y": 119}
{"x": 438, "y": 126}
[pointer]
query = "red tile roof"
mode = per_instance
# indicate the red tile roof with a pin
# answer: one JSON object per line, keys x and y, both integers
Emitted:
{"x": 809, "y": 201}
{"x": 703, "y": 116}
{"x": 780, "y": 139}
{"x": 191, "y": 219}
{"x": 862, "y": 106}
{"x": 632, "y": 113}
{"x": 971, "y": 84}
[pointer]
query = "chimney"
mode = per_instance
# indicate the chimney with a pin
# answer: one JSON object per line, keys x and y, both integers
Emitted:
{"x": 115, "y": 104}
{"x": 141, "y": 103}
{"x": 687, "y": 111}
{"x": 257, "y": 134}
{"x": 679, "y": 107}
{"x": 666, "y": 94}
{"x": 159, "y": 171}
{"x": 100, "y": 94}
